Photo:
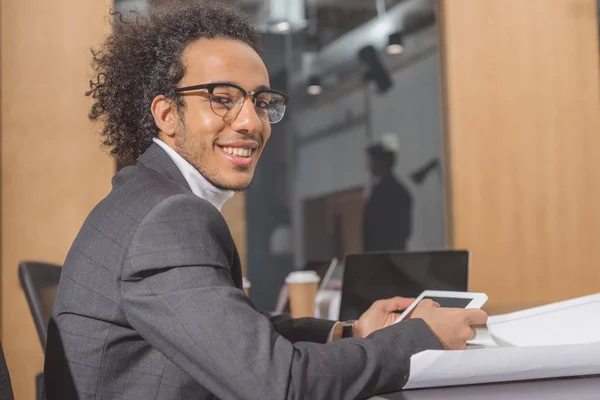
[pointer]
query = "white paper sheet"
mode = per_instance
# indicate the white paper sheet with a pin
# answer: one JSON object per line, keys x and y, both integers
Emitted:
{"x": 434, "y": 368}
{"x": 575, "y": 321}
{"x": 557, "y": 340}
{"x": 483, "y": 339}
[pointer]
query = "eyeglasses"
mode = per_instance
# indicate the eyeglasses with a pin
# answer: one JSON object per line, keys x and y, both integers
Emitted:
{"x": 227, "y": 99}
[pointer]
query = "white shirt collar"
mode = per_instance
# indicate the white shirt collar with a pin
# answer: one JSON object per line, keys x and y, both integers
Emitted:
{"x": 200, "y": 186}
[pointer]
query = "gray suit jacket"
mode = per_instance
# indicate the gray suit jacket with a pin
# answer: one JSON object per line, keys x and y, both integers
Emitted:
{"x": 150, "y": 306}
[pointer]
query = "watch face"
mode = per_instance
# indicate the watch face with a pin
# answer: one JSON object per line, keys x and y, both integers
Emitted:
{"x": 347, "y": 329}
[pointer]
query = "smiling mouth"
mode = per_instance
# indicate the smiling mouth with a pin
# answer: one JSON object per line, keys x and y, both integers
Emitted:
{"x": 238, "y": 151}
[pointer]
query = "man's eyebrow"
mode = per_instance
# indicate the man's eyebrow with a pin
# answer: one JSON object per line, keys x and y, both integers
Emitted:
{"x": 225, "y": 82}
{"x": 259, "y": 87}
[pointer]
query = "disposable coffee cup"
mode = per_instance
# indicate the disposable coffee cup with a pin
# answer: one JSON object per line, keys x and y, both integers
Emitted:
{"x": 302, "y": 288}
{"x": 247, "y": 285}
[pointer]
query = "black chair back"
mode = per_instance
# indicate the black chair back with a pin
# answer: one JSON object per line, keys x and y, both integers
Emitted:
{"x": 39, "y": 281}
{"x": 6, "y": 392}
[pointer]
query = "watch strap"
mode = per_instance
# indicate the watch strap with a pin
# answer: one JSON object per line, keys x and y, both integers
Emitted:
{"x": 347, "y": 329}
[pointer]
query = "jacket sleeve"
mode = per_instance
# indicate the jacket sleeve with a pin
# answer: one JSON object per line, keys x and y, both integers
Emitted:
{"x": 301, "y": 329}
{"x": 177, "y": 292}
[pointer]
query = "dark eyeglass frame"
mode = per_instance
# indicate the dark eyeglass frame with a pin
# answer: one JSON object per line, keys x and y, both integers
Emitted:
{"x": 254, "y": 93}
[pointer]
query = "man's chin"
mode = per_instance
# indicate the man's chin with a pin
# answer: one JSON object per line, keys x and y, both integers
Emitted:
{"x": 236, "y": 185}
{"x": 240, "y": 187}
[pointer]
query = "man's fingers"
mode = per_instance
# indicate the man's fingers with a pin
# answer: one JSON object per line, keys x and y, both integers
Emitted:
{"x": 476, "y": 317}
{"x": 400, "y": 304}
{"x": 395, "y": 304}
{"x": 473, "y": 333}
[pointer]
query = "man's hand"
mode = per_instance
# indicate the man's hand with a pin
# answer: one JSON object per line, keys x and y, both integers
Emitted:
{"x": 380, "y": 315}
{"x": 453, "y": 326}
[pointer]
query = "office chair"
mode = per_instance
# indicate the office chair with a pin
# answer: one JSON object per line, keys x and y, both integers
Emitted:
{"x": 39, "y": 282}
{"x": 6, "y": 392}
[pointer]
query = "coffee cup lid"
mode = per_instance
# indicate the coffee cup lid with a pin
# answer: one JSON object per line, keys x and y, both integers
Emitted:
{"x": 302, "y": 277}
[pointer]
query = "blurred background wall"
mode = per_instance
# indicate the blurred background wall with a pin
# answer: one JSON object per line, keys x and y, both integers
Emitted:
{"x": 53, "y": 168}
{"x": 522, "y": 102}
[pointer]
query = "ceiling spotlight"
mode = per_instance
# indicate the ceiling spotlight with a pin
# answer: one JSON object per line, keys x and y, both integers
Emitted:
{"x": 395, "y": 43}
{"x": 282, "y": 26}
{"x": 314, "y": 87}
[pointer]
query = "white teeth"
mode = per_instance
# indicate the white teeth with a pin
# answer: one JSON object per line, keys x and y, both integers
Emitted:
{"x": 236, "y": 151}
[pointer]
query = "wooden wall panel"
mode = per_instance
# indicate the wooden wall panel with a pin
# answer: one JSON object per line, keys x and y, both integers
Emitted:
{"x": 333, "y": 224}
{"x": 522, "y": 101}
{"x": 234, "y": 212}
{"x": 53, "y": 168}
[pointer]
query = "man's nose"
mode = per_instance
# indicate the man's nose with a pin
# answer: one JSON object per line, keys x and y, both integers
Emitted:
{"x": 247, "y": 119}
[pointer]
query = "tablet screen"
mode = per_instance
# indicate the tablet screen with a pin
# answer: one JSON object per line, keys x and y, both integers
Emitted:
{"x": 452, "y": 302}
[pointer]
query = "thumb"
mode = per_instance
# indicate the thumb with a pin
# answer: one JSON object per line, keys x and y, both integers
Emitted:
{"x": 397, "y": 304}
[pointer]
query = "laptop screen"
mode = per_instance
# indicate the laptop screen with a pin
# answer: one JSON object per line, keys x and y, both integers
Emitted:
{"x": 320, "y": 267}
{"x": 369, "y": 277}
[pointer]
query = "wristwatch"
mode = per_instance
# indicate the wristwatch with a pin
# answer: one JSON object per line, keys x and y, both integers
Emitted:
{"x": 347, "y": 329}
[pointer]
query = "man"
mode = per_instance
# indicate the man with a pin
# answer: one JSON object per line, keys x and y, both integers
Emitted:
{"x": 387, "y": 217}
{"x": 150, "y": 303}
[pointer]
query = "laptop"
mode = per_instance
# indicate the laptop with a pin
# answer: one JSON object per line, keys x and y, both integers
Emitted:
{"x": 369, "y": 277}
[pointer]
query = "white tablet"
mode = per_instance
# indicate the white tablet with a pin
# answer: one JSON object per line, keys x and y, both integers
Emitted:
{"x": 448, "y": 299}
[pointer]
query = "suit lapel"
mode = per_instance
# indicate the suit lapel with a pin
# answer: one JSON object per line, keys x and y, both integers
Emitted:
{"x": 157, "y": 159}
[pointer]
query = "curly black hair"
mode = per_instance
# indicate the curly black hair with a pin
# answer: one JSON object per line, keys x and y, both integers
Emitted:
{"x": 141, "y": 59}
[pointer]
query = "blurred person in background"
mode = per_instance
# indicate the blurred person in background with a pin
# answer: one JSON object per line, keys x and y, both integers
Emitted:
{"x": 387, "y": 220}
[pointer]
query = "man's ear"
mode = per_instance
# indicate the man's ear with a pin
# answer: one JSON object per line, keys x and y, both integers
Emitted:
{"x": 165, "y": 115}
